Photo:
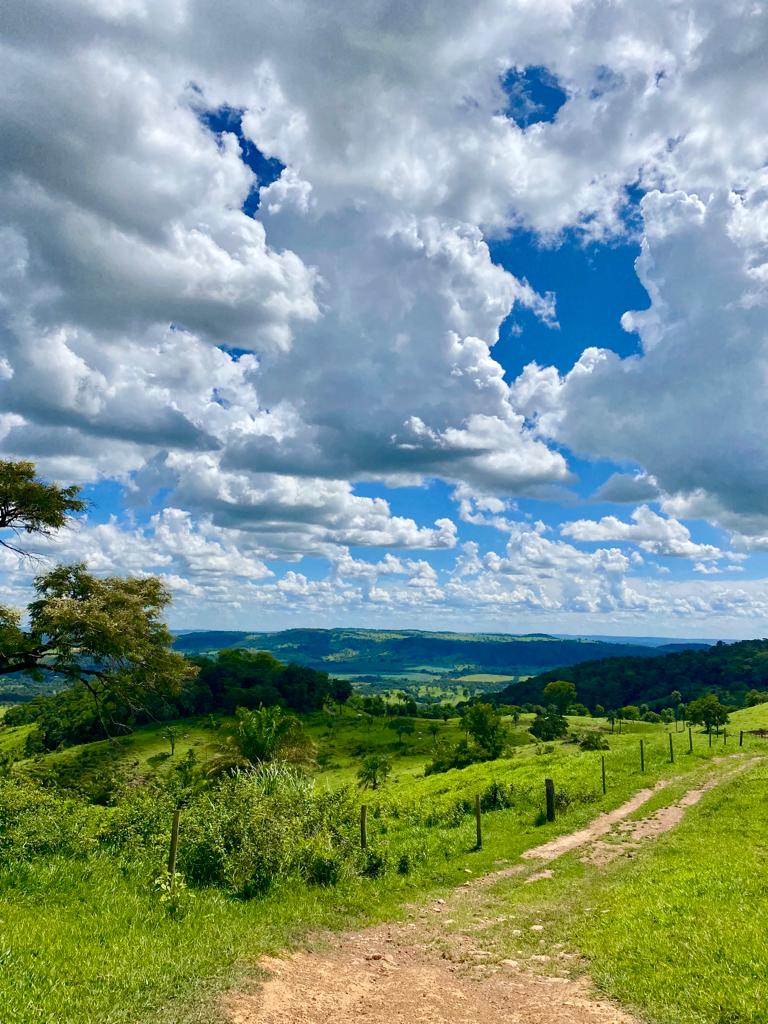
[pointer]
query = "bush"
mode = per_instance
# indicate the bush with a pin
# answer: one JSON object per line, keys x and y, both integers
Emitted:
{"x": 593, "y": 740}
{"x": 257, "y": 827}
{"x": 37, "y": 822}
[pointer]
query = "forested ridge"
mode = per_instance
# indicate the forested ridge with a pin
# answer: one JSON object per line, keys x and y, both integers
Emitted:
{"x": 728, "y": 670}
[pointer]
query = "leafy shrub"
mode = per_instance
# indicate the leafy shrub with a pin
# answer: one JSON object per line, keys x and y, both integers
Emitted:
{"x": 37, "y": 822}
{"x": 256, "y": 827}
{"x": 593, "y": 740}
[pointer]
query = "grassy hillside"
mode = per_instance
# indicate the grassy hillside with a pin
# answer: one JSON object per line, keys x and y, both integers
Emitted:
{"x": 87, "y": 936}
{"x": 371, "y": 652}
{"x": 729, "y": 670}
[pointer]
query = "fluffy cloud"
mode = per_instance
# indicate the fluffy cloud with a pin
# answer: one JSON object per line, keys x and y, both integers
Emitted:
{"x": 258, "y": 370}
{"x": 650, "y": 531}
{"x": 689, "y": 409}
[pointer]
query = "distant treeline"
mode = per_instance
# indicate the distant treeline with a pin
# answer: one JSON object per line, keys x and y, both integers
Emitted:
{"x": 234, "y": 678}
{"x": 372, "y": 652}
{"x": 728, "y": 670}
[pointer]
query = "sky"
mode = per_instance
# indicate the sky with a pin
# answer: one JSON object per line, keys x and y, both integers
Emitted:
{"x": 444, "y": 315}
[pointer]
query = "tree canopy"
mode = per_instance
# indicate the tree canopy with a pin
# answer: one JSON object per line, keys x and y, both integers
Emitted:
{"x": 32, "y": 506}
{"x": 728, "y": 670}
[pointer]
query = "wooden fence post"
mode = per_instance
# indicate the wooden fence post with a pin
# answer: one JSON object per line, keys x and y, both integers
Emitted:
{"x": 602, "y": 766}
{"x": 174, "y": 846}
{"x": 709, "y": 730}
{"x": 690, "y": 740}
{"x": 741, "y": 737}
{"x": 363, "y": 826}
{"x": 671, "y": 750}
{"x": 642, "y": 756}
{"x": 549, "y": 788}
{"x": 725, "y": 735}
{"x": 478, "y": 825}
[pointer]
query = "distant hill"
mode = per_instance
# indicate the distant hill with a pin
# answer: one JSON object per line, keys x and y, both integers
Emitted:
{"x": 370, "y": 651}
{"x": 729, "y": 670}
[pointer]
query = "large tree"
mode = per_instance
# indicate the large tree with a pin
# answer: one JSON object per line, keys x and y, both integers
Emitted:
{"x": 32, "y": 506}
{"x": 106, "y": 634}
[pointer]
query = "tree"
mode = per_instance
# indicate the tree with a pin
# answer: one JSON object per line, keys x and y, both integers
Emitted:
{"x": 171, "y": 734}
{"x": 271, "y": 734}
{"x": 708, "y": 711}
{"x": 486, "y": 727}
{"x": 374, "y": 771}
{"x": 341, "y": 690}
{"x": 31, "y": 506}
{"x": 434, "y": 729}
{"x": 105, "y": 634}
{"x": 561, "y": 694}
{"x": 549, "y": 725}
{"x": 403, "y": 727}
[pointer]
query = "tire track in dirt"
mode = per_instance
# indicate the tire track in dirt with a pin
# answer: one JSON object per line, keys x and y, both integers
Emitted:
{"x": 422, "y": 972}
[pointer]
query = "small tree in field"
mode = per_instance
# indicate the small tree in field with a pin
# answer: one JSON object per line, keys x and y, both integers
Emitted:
{"x": 171, "y": 733}
{"x": 708, "y": 711}
{"x": 549, "y": 725}
{"x": 403, "y": 727}
{"x": 486, "y": 727}
{"x": 374, "y": 771}
{"x": 262, "y": 736}
{"x": 434, "y": 730}
{"x": 561, "y": 694}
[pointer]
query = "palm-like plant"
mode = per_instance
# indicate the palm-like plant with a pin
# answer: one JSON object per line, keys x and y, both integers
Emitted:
{"x": 262, "y": 736}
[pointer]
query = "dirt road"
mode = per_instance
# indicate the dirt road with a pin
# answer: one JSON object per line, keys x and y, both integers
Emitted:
{"x": 424, "y": 971}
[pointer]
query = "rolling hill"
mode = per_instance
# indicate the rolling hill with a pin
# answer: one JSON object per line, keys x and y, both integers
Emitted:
{"x": 370, "y": 651}
{"x": 729, "y": 670}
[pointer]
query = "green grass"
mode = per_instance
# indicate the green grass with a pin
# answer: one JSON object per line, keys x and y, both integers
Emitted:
{"x": 675, "y": 933}
{"x": 85, "y": 940}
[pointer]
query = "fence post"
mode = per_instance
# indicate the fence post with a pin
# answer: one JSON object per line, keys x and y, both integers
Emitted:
{"x": 549, "y": 788}
{"x": 174, "y": 846}
{"x": 363, "y": 826}
{"x": 709, "y": 730}
{"x": 741, "y": 737}
{"x": 725, "y": 735}
{"x": 671, "y": 750}
{"x": 478, "y": 825}
{"x": 602, "y": 766}
{"x": 690, "y": 740}
{"x": 642, "y": 756}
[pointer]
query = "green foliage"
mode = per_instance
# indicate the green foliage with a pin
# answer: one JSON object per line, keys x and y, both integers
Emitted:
{"x": 549, "y": 725}
{"x": 560, "y": 693}
{"x": 241, "y": 678}
{"x": 403, "y": 727}
{"x": 593, "y": 740}
{"x": 104, "y": 635}
{"x": 29, "y": 505}
{"x": 729, "y": 671}
{"x": 374, "y": 771}
{"x": 485, "y": 726}
{"x": 459, "y": 756}
{"x": 707, "y": 711}
{"x": 271, "y": 734}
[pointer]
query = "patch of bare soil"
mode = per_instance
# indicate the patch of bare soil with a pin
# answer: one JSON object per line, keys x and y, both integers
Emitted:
{"x": 424, "y": 972}
{"x": 630, "y": 835}
{"x": 401, "y": 976}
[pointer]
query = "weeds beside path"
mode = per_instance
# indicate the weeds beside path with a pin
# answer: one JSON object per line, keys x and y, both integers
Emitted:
{"x": 444, "y": 965}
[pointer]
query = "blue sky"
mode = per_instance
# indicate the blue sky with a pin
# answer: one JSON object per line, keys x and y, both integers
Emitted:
{"x": 454, "y": 320}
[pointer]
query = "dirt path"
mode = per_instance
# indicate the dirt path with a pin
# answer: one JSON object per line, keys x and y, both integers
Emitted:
{"x": 424, "y": 972}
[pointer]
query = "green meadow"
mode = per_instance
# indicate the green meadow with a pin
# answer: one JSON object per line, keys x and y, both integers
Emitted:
{"x": 86, "y": 933}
